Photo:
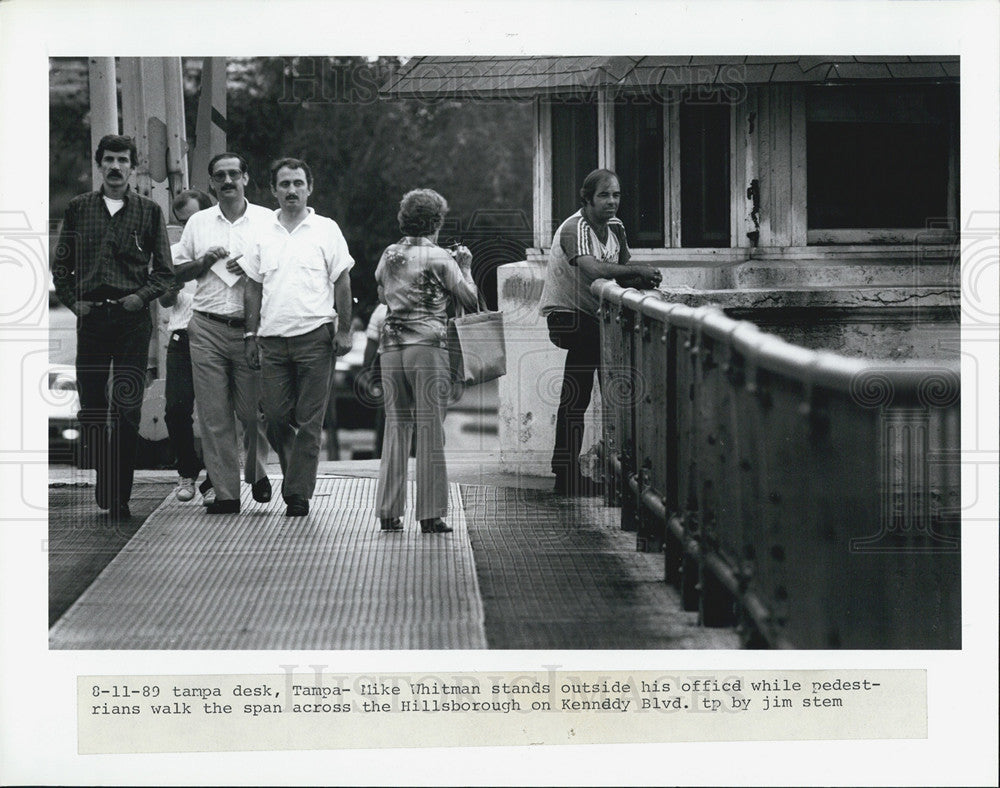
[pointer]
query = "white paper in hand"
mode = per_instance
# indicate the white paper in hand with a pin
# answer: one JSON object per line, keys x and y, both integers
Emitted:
{"x": 220, "y": 270}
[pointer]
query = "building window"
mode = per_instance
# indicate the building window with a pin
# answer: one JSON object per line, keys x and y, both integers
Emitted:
{"x": 704, "y": 163}
{"x": 880, "y": 162}
{"x": 639, "y": 164}
{"x": 574, "y": 154}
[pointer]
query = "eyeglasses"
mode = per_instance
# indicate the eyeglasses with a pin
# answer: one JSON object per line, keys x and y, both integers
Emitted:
{"x": 222, "y": 175}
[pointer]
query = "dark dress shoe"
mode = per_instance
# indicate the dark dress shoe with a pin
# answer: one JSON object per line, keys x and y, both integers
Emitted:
{"x": 435, "y": 526}
{"x": 261, "y": 490}
{"x": 392, "y": 524}
{"x": 223, "y": 506}
{"x": 119, "y": 511}
{"x": 297, "y": 506}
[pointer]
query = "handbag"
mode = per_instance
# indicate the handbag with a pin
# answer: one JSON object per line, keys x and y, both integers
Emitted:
{"x": 476, "y": 348}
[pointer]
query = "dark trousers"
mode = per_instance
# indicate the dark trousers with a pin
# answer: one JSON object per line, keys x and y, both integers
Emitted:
{"x": 111, "y": 355}
{"x": 579, "y": 334}
{"x": 296, "y": 373}
{"x": 180, "y": 406}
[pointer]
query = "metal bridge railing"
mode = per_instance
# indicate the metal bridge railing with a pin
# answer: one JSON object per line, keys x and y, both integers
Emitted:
{"x": 810, "y": 498}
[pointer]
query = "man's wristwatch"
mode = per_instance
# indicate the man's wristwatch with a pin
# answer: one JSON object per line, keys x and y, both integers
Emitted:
{"x": 249, "y": 334}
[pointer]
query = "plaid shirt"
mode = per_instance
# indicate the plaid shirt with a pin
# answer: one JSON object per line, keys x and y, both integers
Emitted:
{"x": 97, "y": 250}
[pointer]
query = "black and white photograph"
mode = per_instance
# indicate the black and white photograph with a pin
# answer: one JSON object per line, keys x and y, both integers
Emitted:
{"x": 753, "y": 380}
{"x": 499, "y": 356}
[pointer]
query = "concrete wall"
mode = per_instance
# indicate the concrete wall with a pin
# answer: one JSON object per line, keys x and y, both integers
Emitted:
{"x": 529, "y": 392}
{"x": 863, "y": 322}
{"x": 867, "y": 309}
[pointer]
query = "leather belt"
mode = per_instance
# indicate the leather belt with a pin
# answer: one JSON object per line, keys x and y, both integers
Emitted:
{"x": 232, "y": 322}
{"x": 105, "y": 302}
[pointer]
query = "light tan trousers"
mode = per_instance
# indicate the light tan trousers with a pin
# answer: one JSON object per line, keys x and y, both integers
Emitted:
{"x": 226, "y": 389}
{"x": 415, "y": 380}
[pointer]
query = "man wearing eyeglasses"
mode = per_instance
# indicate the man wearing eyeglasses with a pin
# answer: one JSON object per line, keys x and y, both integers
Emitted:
{"x": 225, "y": 388}
{"x": 112, "y": 259}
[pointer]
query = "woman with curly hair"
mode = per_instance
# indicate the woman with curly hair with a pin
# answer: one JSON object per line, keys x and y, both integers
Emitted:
{"x": 416, "y": 278}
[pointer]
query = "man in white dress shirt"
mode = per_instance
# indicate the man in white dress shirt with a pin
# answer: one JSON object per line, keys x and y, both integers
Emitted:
{"x": 209, "y": 250}
{"x": 298, "y": 303}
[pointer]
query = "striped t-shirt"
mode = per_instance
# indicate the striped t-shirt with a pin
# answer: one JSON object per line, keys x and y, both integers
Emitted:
{"x": 566, "y": 287}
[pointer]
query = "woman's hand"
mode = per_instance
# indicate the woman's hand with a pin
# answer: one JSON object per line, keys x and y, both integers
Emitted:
{"x": 463, "y": 257}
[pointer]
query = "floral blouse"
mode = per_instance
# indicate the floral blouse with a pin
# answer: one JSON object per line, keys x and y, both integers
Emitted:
{"x": 416, "y": 280}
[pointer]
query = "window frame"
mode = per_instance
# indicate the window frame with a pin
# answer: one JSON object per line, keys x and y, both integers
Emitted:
{"x": 544, "y": 221}
{"x": 767, "y": 142}
{"x": 884, "y": 236}
{"x": 663, "y": 231}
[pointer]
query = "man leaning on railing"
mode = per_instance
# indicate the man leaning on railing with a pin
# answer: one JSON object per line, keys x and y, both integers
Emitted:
{"x": 589, "y": 245}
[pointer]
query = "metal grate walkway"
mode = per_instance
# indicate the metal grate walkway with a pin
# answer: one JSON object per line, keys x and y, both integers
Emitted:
{"x": 558, "y": 573}
{"x": 261, "y": 580}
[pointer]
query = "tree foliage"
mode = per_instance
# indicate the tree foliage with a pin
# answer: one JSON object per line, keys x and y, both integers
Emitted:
{"x": 365, "y": 151}
{"x": 69, "y": 133}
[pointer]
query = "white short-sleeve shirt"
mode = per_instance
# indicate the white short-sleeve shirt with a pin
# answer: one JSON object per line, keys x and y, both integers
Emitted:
{"x": 298, "y": 270}
{"x": 179, "y": 315}
{"x": 375, "y": 322}
{"x": 209, "y": 228}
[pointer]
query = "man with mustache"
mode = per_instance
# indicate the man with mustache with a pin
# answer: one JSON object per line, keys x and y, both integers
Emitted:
{"x": 298, "y": 300}
{"x": 589, "y": 245}
{"x": 112, "y": 259}
{"x": 209, "y": 250}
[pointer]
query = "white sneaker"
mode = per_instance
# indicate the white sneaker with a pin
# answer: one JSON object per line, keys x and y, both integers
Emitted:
{"x": 208, "y": 497}
{"x": 184, "y": 490}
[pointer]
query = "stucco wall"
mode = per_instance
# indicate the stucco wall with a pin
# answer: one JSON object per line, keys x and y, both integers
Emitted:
{"x": 529, "y": 392}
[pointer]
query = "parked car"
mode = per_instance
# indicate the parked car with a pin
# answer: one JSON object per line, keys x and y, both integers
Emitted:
{"x": 64, "y": 403}
{"x": 353, "y": 412}
{"x": 65, "y": 438}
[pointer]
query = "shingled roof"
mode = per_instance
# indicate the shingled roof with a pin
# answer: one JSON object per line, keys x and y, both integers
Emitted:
{"x": 523, "y": 77}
